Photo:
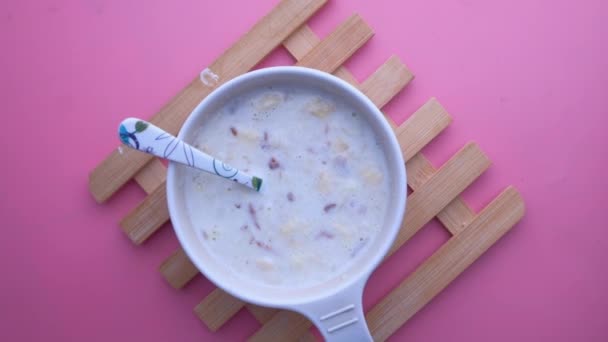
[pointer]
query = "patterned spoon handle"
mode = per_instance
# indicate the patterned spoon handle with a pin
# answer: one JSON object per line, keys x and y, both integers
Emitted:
{"x": 146, "y": 137}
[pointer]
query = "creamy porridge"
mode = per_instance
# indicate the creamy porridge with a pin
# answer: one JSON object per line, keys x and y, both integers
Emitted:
{"x": 324, "y": 196}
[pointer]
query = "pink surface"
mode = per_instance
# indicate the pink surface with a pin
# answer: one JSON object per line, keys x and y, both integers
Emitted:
{"x": 526, "y": 79}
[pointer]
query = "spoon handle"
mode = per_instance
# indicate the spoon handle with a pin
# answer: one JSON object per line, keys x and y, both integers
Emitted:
{"x": 144, "y": 136}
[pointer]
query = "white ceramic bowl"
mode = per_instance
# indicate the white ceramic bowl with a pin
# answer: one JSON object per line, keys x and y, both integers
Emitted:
{"x": 334, "y": 306}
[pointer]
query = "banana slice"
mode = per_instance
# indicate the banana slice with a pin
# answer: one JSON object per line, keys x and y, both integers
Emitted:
{"x": 268, "y": 101}
{"x": 249, "y": 135}
{"x": 320, "y": 107}
{"x": 371, "y": 175}
{"x": 324, "y": 183}
{"x": 265, "y": 264}
{"x": 340, "y": 146}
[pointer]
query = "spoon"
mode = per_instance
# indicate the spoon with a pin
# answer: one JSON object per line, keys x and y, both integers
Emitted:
{"x": 144, "y": 136}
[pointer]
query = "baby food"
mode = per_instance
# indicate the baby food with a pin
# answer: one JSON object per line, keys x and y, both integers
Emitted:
{"x": 324, "y": 196}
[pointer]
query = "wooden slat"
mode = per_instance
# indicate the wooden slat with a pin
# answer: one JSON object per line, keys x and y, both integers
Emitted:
{"x": 261, "y": 314}
{"x": 249, "y": 50}
{"x": 152, "y": 176}
{"x": 284, "y": 326}
{"x": 457, "y": 214}
{"x": 380, "y": 87}
{"x": 411, "y": 138}
{"x": 147, "y": 217}
{"x": 178, "y": 270}
{"x": 393, "y": 73}
{"x": 441, "y": 189}
{"x": 345, "y": 75}
{"x": 264, "y": 315}
{"x": 307, "y": 337}
{"x": 342, "y": 43}
{"x": 445, "y": 264}
{"x": 217, "y": 308}
{"x": 303, "y": 41}
{"x": 423, "y": 204}
{"x": 419, "y": 170}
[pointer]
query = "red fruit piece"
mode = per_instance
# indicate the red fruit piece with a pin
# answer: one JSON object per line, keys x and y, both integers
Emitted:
{"x": 329, "y": 207}
{"x": 273, "y": 163}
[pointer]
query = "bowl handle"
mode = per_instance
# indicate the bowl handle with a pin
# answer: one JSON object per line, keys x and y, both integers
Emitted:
{"x": 340, "y": 317}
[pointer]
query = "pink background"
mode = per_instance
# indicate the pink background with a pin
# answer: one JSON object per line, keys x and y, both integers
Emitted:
{"x": 526, "y": 79}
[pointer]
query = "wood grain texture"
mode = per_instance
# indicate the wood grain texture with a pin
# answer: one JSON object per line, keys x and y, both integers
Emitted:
{"x": 342, "y": 43}
{"x": 419, "y": 170}
{"x": 457, "y": 214}
{"x": 178, "y": 270}
{"x": 151, "y": 176}
{"x": 249, "y": 50}
{"x": 260, "y": 313}
{"x": 441, "y": 189}
{"x": 307, "y": 337}
{"x": 420, "y": 128}
{"x": 147, "y": 217}
{"x": 284, "y": 326}
{"x": 393, "y": 73}
{"x": 264, "y": 315}
{"x": 217, "y": 308}
{"x": 423, "y": 204}
{"x": 302, "y": 41}
{"x": 445, "y": 264}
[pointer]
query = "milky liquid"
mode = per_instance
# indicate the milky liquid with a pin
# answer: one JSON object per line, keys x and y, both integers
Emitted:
{"x": 324, "y": 196}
